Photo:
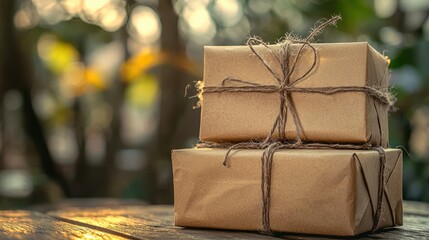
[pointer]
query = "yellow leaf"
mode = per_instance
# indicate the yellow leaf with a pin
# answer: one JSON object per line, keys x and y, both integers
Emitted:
{"x": 56, "y": 55}
{"x": 141, "y": 63}
{"x": 79, "y": 79}
{"x": 145, "y": 60}
{"x": 93, "y": 79}
{"x": 183, "y": 62}
{"x": 143, "y": 91}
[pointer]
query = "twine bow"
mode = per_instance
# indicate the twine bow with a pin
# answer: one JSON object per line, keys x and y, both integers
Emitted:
{"x": 287, "y": 61}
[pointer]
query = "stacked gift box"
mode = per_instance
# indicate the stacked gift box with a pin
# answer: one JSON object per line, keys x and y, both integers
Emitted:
{"x": 344, "y": 180}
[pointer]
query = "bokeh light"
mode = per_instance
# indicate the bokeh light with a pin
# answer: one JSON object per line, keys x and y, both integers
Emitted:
{"x": 385, "y": 8}
{"x": 15, "y": 183}
{"x": 196, "y": 24}
{"x": 145, "y": 26}
{"x": 26, "y": 16}
{"x": 390, "y": 36}
{"x": 111, "y": 18}
{"x": 227, "y": 12}
{"x": 50, "y": 11}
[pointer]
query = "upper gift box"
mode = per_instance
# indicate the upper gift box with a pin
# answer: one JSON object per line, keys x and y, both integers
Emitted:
{"x": 353, "y": 117}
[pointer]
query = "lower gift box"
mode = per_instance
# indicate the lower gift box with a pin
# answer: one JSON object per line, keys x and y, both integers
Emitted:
{"x": 329, "y": 192}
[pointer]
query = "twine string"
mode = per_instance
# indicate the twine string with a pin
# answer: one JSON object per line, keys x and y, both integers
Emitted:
{"x": 287, "y": 60}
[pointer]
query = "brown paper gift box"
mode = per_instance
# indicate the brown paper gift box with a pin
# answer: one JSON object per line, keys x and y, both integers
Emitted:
{"x": 312, "y": 191}
{"x": 339, "y": 118}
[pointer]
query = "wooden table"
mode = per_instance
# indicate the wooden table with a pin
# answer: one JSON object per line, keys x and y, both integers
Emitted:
{"x": 134, "y": 220}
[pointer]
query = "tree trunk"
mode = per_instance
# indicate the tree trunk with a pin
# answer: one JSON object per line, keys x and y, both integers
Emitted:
{"x": 17, "y": 74}
{"x": 172, "y": 104}
{"x": 80, "y": 185}
{"x": 113, "y": 138}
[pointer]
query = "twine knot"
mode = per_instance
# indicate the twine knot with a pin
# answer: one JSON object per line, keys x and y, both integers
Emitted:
{"x": 287, "y": 59}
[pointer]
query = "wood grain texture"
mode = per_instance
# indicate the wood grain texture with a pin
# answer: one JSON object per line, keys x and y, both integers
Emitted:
{"x": 34, "y": 225}
{"x": 144, "y": 222}
{"x": 156, "y": 222}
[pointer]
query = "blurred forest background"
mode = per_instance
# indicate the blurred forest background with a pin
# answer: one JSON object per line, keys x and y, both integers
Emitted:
{"x": 92, "y": 91}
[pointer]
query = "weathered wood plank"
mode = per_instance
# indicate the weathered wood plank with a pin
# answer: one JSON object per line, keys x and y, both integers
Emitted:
{"x": 156, "y": 222}
{"x": 86, "y": 203}
{"x": 33, "y": 225}
{"x": 151, "y": 222}
{"x": 416, "y": 208}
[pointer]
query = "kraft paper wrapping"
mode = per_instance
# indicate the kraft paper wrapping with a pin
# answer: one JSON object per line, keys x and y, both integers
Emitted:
{"x": 338, "y": 118}
{"x": 312, "y": 191}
